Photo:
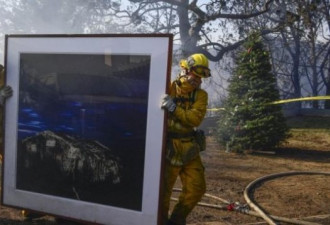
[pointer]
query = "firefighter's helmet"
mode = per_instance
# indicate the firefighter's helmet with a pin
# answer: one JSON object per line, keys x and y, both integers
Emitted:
{"x": 199, "y": 65}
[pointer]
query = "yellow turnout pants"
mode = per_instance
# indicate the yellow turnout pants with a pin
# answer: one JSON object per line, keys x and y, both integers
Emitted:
{"x": 193, "y": 188}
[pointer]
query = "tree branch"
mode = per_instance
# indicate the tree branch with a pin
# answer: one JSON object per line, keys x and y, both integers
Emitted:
{"x": 219, "y": 15}
{"x": 224, "y": 49}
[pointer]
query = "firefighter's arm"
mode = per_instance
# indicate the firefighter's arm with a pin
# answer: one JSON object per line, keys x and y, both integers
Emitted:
{"x": 194, "y": 116}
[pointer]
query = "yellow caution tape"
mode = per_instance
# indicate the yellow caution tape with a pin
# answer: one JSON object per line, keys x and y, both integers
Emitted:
{"x": 302, "y": 99}
{"x": 216, "y": 109}
{"x": 326, "y": 97}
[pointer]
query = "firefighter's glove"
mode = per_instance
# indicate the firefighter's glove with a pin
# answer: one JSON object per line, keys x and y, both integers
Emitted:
{"x": 168, "y": 103}
{"x": 5, "y": 92}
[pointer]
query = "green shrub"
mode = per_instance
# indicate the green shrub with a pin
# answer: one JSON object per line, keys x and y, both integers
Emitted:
{"x": 249, "y": 121}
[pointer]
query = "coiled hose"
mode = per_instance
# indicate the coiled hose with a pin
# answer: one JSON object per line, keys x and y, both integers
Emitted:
{"x": 252, "y": 185}
{"x": 258, "y": 212}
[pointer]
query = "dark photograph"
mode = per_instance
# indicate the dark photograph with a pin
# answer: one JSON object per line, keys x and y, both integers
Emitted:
{"x": 82, "y": 126}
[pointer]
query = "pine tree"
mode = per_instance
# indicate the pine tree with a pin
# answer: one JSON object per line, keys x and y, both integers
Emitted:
{"x": 249, "y": 121}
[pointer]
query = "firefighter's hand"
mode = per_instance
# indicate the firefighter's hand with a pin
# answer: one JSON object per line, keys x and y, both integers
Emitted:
{"x": 5, "y": 92}
{"x": 168, "y": 103}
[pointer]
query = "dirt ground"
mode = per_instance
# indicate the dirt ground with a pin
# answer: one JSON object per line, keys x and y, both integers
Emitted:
{"x": 298, "y": 196}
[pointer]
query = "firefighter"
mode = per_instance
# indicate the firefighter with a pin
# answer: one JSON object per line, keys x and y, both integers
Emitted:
{"x": 5, "y": 92}
{"x": 186, "y": 105}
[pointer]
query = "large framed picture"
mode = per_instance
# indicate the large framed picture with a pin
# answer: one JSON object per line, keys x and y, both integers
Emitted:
{"x": 84, "y": 130}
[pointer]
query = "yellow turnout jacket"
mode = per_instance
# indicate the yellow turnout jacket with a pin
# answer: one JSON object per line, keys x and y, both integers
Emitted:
{"x": 189, "y": 113}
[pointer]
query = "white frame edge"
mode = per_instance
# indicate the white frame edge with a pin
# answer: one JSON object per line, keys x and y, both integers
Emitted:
{"x": 158, "y": 49}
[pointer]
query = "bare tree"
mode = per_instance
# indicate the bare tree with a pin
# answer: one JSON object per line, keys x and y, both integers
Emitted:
{"x": 300, "y": 49}
{"x": 200, "y": 26}
{"x": 325, "y": 63}
{"x": 325, "y": 74}
{"x": 313, "y": 21}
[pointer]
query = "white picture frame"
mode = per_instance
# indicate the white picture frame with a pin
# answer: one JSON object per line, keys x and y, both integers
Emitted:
{"x": 79, "y": 99}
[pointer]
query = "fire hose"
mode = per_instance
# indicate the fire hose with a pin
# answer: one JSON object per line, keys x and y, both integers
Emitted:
{"x": 257, "y": 211}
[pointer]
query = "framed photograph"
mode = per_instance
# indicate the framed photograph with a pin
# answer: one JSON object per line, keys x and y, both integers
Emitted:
{"x": 84, "y": 129}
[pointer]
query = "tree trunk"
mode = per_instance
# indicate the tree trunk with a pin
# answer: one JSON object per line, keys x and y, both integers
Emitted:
{"x": 327, "y": 86}
{"x": 296, "y": 77}
{"x": 188, "y": 33}
{"x": 327, "y": 102}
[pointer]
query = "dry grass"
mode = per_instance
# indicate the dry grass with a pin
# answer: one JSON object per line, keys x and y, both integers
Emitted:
{"x": 309, "y": 133}
{"x": 308, "y": 149}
